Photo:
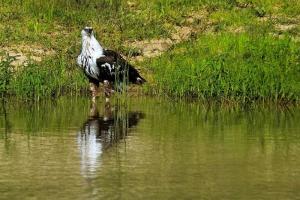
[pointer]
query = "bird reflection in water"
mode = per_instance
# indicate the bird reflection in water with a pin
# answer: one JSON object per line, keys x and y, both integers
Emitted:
{"x": 102, "y": 130}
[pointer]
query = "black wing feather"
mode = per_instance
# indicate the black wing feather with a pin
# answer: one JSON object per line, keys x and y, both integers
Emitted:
{"x": 113, "y": 64}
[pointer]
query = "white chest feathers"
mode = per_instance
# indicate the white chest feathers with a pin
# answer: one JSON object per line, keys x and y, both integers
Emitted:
{"x": 90, "y": 52}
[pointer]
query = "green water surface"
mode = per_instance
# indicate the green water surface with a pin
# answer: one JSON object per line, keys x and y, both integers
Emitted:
{"x": 147, "y": 149}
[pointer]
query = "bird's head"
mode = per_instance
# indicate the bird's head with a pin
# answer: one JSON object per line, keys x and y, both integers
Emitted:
{"x": 87, "y": 32}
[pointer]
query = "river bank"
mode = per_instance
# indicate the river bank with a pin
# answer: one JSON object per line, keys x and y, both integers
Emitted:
{"x": 237, "y": 50}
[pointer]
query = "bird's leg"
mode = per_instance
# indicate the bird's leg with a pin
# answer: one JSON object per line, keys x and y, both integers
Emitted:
{"x": 94, "y": 90}
{"x": 107, "y": 90}
{"x": 94, "y": 113}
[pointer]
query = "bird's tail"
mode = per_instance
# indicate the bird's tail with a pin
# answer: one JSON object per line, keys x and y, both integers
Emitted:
{"x": 140, "y": 80}
{"x": 135, "y": 77}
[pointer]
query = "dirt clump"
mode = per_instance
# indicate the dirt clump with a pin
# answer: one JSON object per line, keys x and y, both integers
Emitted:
{"x": 24, "y": 53}
{"x": 195, "y": 22}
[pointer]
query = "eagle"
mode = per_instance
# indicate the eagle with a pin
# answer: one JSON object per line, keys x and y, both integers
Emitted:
{"x": 104, "y": 66}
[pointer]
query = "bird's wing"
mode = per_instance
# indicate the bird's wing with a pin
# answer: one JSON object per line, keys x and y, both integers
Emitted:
{"x": 116, "y": 57}
{"x": 105, "y": 59}
{"x": 112, "y": 62}
{"x": 111, "y": 57}
{"x": 108, "y": 52}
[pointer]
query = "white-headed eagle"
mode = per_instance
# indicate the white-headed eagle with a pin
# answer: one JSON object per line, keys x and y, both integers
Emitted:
{"x": 104, "y": 66}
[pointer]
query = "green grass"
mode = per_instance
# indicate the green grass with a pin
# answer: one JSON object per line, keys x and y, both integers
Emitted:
{"x": 240, "y": 55}
{"x": 50, "y": 78}
{"x": 6, "y": 74}
{"x": 245, "y": 67}
{"x": 28, "y": 19}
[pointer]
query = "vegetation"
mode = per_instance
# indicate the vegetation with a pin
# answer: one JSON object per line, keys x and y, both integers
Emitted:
{"x": 35, "y": 81}
{"x": 229, "y": 66}
{"x": 5, "y": 75}
{"x": 238, "y": 49}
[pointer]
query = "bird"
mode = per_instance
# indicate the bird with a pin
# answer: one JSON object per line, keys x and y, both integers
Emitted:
{"x": 104, "y": 66}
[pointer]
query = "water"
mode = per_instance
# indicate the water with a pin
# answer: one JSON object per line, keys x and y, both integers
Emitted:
{"x": 147, "y": 149}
